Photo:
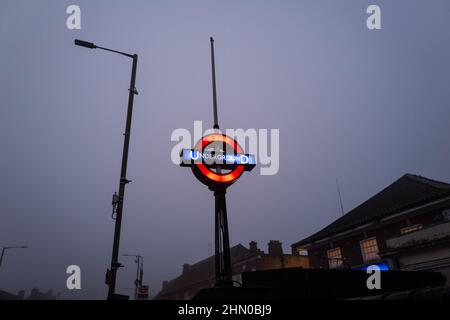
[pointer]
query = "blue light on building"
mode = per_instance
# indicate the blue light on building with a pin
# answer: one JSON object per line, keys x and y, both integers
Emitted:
{"x": 383, "y": 266}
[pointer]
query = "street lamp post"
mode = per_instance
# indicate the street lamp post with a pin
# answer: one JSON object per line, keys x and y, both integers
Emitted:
{"x": 118, "y": 200}
{"x": 139, "y": 272}
{"x": 6, "y": 248}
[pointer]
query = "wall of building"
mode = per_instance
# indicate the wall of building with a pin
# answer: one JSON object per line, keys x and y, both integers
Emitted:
{"x": 435, "y": 258}
{"x": 278, "y": 262}
{"x": 350, "y": 244}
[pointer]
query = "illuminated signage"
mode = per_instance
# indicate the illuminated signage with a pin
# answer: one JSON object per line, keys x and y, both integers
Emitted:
{"x": 194, "y": 156}
{"x": 217, "y": 160}
{"x": 383, "y": 266}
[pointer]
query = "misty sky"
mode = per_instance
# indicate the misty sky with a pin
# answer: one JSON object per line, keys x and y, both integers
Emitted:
{"x": 362, "y": 106}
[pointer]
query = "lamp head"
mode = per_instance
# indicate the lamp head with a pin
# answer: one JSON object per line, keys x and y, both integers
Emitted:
{"x": 85, "y": 44}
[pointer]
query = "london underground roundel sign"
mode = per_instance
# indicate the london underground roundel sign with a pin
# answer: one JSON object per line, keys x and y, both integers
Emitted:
{"x": 217, "y": 160}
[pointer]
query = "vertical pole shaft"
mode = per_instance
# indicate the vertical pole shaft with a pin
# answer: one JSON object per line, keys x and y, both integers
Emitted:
{"x": 340, "y": 198}
{"x": 226, "y": 243}
{"x": 213, "y": 67}
{"x": 222, "y": 256}
{"x": 141, "y": 273}
{"x": 1, "y": 257}
{"x": 123, "y": 181}
{"x": 136, "y": 282}
{"x": 218, "y": 247}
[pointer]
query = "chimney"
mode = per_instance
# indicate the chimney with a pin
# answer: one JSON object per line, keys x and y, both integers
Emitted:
{"x": 164, "y": 284}
{"x": 275, "y": 248}
{"x": 186, "y": 267}
{"x": 253, "y": 247}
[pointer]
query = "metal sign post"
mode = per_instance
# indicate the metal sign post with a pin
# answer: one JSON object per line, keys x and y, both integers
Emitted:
{"x": 218, "y": 161}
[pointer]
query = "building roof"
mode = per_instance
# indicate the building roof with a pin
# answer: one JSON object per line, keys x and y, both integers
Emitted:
{"x": 202, "y": 271}
{"x": 8, "y": 296}
{"x": 407, "y": 192}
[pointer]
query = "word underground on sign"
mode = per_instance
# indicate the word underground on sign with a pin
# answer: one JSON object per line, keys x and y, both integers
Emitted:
{"x": 212, "y": 159}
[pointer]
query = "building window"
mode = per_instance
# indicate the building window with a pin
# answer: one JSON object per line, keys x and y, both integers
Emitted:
{"x": 302, "y": 252}
{"x": 369, "y": 249}
{"x": 334, "y": 258}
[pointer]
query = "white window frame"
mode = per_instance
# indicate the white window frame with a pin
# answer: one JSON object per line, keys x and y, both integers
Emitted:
{"x": 363, "y": 252}
{"x": 335, "y": 263}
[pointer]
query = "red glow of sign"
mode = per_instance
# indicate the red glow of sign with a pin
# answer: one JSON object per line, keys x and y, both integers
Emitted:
{"x": 216, "y": 177}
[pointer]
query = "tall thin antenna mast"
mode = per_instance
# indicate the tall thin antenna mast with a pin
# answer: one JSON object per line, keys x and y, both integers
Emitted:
{"x": 340, "y": 198}
{"x": 213, "y": 66}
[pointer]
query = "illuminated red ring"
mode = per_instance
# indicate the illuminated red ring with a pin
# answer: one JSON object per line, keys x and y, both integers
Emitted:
{"x": 221, "y": 178}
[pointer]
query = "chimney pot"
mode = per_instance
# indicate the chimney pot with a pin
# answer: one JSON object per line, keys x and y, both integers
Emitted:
{"x": 253, "y": 246}
{"x": 275, "y": 248}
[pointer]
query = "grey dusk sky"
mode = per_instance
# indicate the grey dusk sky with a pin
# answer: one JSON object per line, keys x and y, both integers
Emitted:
{"x": 362, "y": 106}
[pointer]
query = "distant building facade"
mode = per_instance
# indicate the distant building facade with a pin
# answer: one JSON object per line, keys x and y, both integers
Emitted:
{"x": 201, "y": 274}
{"x": 35, "y": 294}
{"x": 406, "y": 226}
{"x": 4, "y": 295}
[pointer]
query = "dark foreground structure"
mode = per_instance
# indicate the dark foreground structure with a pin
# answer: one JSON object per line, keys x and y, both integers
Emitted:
{"x": 315, "y": 284}
{"x": 201, "y": 274}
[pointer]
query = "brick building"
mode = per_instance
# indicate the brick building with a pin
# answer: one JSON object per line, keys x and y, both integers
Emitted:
{"x": 406, "y": 226}
{"x": 201, "y": 274}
